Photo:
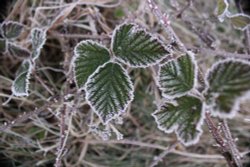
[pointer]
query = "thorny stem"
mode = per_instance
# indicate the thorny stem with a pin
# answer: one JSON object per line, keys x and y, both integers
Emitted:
{"x": 224, "y": 148}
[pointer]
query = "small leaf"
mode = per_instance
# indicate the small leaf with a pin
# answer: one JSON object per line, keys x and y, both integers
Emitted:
{"x": 228, "y": 81}
{"x": 177, "y": 77}
{"x": 11, "y": 29}
{"x": 222, "y": 9}
{"x": 38, "y": 37}
{"x": 89, "y": 56}
{"x": 20, "y": 85}
{"x": 240, "y": 21}
{"x": 2, "y": 45}
{"x": 109, "y": 90}
{"x": 18, "y": 51}
{"x": 185, "y": 116}
{"x": 137, "y": 48}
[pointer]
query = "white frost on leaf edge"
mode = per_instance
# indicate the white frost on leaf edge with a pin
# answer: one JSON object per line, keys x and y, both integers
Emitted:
{"x": 239, "y": 14}
{"x": 41, "y": 45}
{"x": 191, "y": 54}
{"x": 76, "y": 55}
{"x": 237, "y": 102}
{"x": 27, "y": 81}
{"x": 175, "y": 126}
{"x": 222, "y": 16}
{"x": 9, "y": 22}
{"x": 131, "y": 93}
{"x": 136, "y": 28}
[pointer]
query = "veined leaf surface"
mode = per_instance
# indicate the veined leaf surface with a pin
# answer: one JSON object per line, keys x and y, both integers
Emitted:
{"x": 109, "y": 90}
{"x": 38, "y": 38}
{"x": 11, "y": 29}
{"x": 240, "y": 21}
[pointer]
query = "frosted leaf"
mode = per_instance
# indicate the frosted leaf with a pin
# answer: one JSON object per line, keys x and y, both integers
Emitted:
{"x": 109, "y": 90}
{"x": 88, "y": 56}
{"x": 20, "y": 85}
{"x": 18, "y": 51}
{"x": 11, "y": 29}
{"x": 185, "y": 118}
{"x": 136, "y": 47}
{"x": 38, "y": 38}
{"x": 178, "y": 76}
{"x": 240, "y": 21}
{"x": 222, "y": 9}
{"x": 228, "y": 82}
{"x": 2, "y": 45}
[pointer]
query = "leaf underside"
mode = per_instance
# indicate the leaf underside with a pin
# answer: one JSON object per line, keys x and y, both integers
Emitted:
{"x": 38, "y": 38}
{"x": 227, "y": 81}
{"x": 20, "y": 85}
{"x": 89, "y": 56}
{"x": 109, "y": 91}
{"x": 185, "y": 118}
{"x": 11, "y": 29}
{"x": 240, "y": 21}
{"x": 177, "y": 77}
{"x": 137, "y": 48}
{"x": 18, "y": 51}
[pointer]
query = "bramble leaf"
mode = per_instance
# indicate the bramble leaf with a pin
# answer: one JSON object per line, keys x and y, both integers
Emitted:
{"x": 240, "y": 21}
{"x": 2, "y": 45}
{"x": 227, "y": 81}
{"x": 137, "y": 48}
{"x": 184, "y": 116}
{"x": 222, "y": 9}
{"x": 177, "y": 77}
{"x": 109, "y": 90}
{"x": 20, "y": 85}
{"x": 11, "y": 29}
{"x": 38, "y": 38}
{"x": 18, "y": 51}
{"x": 89, "y": 56}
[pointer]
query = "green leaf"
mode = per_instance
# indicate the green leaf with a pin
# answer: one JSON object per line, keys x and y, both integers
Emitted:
{"x": 11, "y": 29}
{"x": 2, "y": 45}
{"x": 89, "y": 56}
{"x": 240, "y": 21}
{"x": 109, "y": 90}
{"x": 137, "y": 48}
{"x": 38, "y": 38}
{"x": 20, "y": 85}
{"x": 177, "y": 77}
{"x": 228, "y": 82}
{"x": 18, "y": 51}
{"x": 222, "y": 9}
{"x": 184, "y": 116}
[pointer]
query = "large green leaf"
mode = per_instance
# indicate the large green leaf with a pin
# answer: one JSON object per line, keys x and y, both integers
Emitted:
{"x": 240, "y": 21}
{"x": 11, "y": 29}
{"x": 89, "y": 56}
{"x": 222, "y": 9}
{"x": 17, "y": 51}
{"x": 38, "y": 38}
{"x": 137, "y": 48}
{"x": 177, "y": 77}
{"x": 184, "y": 116}
{"x": 20, "y": 85}
{"x": 109, "y": 90}
{"x": 228, "y": 81}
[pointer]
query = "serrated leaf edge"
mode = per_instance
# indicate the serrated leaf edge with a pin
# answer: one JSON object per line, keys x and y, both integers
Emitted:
{"x": 136, "y": 27}
{"x": 8, "y": 22}
{"x": 27, "y": 81}
{"x": 41, "y": 45}
{"x": 195, "y": 77}
{"x": 240, "y": 14}
{"x": 18, "y": 46}
{"x": 76, "y": 55}
{"x": 131, "y": 93}
{"x": 237, "y": 101}
{"x": 175, "y": 127}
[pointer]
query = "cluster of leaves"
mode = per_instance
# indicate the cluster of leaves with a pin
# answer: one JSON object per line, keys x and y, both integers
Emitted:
{"x": 10, "y": 31}
{"x": 109, "y": 90}
{"x": 239, "y": 21}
